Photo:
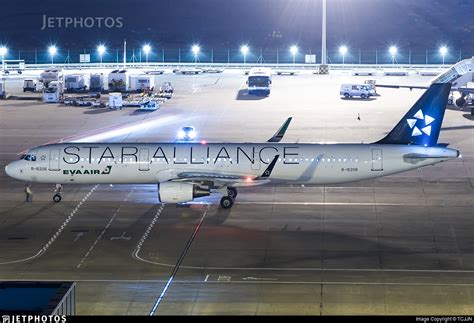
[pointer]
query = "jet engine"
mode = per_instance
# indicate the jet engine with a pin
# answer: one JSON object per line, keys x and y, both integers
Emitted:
{"x": 176, "y": 192}
{"x": 460, "y": 100}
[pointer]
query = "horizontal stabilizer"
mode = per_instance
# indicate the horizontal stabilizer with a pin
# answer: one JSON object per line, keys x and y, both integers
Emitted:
{"x": 269, "y": 169}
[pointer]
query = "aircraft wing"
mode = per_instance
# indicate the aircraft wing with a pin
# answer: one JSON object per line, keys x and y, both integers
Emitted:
{"x": 395, "y": 86}
{"x": 226, "y": 178}
{"x": 464, "y": 90}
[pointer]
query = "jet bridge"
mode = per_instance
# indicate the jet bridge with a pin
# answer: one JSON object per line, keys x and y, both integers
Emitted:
{"x": 459, "y": 74}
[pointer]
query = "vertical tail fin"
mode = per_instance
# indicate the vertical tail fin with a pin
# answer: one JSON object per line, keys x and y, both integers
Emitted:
{"x": 422, "y": 124}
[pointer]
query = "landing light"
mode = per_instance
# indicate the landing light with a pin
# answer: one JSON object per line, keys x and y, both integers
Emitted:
{"x": 192, "y": 134}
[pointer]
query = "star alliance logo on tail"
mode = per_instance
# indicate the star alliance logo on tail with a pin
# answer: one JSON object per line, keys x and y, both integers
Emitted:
{"x": 419, "y": 117}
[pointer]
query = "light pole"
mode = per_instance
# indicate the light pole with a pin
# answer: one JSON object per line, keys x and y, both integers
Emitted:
{"x": 393, "y": 52}
{"x": 146, "y": 50}
{"x": 101, "y": 50}
{"x": 294, "y": 51}
{"x": 52, "y": 51}
{"x": 195, "y": 49}
{"x": 343, "y": 52}
{"x": 323, "y": 38}
{"x": 443, "y": 51}
{"x": 244, "y": 49}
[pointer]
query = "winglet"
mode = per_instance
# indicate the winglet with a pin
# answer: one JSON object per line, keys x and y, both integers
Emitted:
{"x": 269, "y": 169}
{"x": 281, "y": 132}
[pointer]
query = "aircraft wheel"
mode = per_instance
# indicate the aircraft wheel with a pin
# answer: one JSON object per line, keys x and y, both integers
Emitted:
{"x": 232, "y": 192}
{"x": 57, "y": 198}
{"x": 227, "y": 202}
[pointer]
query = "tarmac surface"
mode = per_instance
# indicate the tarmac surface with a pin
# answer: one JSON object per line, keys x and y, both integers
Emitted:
{"x": 401, "y": 244}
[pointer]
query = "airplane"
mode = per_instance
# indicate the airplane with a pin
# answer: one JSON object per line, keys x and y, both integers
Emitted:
{"x": 185, "y": 171}
{"x": 459, "y": 75}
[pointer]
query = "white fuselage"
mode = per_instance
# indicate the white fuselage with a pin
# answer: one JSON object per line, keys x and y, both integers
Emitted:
{"x": 146, "y": 163}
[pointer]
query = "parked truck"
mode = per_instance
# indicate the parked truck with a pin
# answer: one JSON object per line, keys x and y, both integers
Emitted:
{"x": 30, "y": 85}
{"x": 118, "y": 80}
{"x": 141, "y": 82}
{"x": 49, "y": 76}
{"x": 77, "y": 82}
{"x": 96, "y": 83}
{"x": 53, "y": 93}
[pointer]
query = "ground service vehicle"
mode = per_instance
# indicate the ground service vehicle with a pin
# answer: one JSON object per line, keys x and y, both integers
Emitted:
{"x": 361, "y": 90}
{"x": 259, "y": 81}
{"x": 29, "y": 85}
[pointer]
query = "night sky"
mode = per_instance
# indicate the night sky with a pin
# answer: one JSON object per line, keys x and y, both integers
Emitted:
{"x": 270, "y": 24}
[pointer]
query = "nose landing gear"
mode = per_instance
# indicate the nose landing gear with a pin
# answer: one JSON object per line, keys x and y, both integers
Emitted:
{"x": 57, "y": 193}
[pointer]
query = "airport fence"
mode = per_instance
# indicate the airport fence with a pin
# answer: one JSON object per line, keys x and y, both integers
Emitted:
{"x": 234, "y": 56}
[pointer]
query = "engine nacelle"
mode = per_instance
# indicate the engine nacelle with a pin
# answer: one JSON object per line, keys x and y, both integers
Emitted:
{"x": 461, "y": 102}
{"x": 176, "y": 192}
{"x": 459, "y": 99}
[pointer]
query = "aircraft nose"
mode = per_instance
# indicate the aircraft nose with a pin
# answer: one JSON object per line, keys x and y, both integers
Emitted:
{"x": 12, "y": 170}
{"x": 8, "y": 169}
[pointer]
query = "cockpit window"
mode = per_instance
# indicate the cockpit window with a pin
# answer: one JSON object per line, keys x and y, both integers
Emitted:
{"x": 30, "y": 157}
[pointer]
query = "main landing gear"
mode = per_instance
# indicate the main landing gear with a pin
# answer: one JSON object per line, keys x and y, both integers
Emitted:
{"x": 57, "y": 193}
{"x": 227, "y": 201}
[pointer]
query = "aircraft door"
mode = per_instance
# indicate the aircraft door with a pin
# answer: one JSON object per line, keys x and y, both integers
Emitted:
{"x": 257, "y": 162}
{"x": 143, "y": 160}
{"x": 54, "y": 159}
{"x": 377, "y": 160}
